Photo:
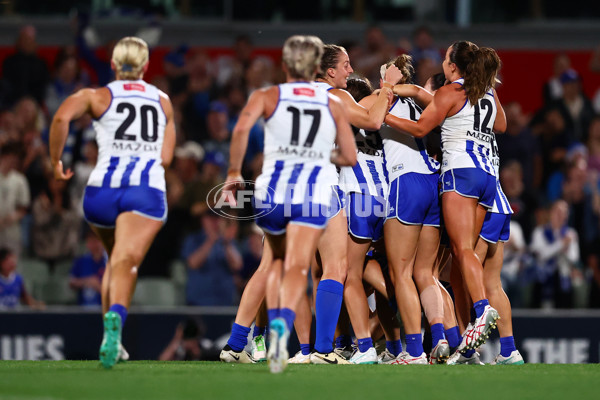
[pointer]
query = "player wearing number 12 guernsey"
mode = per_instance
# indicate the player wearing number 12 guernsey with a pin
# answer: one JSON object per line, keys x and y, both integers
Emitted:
{"x": 468, "y": 110}
{"x": 124, "y": 201}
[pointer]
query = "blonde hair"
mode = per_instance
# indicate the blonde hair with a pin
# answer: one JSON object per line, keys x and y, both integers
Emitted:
{"x": 302, "y": 56}
{"x": 129, "y": 57}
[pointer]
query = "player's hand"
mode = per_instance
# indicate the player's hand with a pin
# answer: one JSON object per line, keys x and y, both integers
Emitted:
{"x": 392, "y": 75}
{"x": 60, "y": 174}
{"x": 233, "y": 182}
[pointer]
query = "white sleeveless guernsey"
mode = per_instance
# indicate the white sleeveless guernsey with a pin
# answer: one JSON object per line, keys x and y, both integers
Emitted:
{"x": 467, "y": 135}
{"x": 299, "y": 137}
{"x": 501, "y": 204}
{"x": 405, "y": 153}
{"x": 130, "y": 136}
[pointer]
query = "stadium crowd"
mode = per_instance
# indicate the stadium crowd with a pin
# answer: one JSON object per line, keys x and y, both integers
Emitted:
{"x": 550, "y": 165}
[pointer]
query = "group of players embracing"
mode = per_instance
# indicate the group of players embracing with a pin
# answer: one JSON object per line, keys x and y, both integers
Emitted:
{"x": 393, "y": 217}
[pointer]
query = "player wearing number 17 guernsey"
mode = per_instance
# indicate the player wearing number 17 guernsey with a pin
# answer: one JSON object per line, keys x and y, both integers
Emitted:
{"x": 293, "y": 192}
{"x": 124, "y": 201}
{"x": 467, "y": 111}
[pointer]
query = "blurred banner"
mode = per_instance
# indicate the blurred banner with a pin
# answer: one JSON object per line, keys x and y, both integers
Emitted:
{"x": 556, "y": 337}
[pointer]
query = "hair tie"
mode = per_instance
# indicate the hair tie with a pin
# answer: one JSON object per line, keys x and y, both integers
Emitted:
{"x": 126, "y": 68}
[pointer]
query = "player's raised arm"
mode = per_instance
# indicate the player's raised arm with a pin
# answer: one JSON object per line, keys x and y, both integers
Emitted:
{"x": 421, "y": 95}
{"x": 370, "y": 118}
{"x": 345, "y": 154}
{"x": 431, "y": 117}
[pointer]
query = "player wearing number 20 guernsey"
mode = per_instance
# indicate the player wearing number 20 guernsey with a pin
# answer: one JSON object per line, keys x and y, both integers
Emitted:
{"x": 124, "y": 201}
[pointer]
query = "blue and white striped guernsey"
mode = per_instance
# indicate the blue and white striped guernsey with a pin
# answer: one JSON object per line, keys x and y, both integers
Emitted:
{"x": 405, "y": 153}
{"x": 501, "y": 204}
{"x": 467, "y": 135}
{"x": 130, "y": 135}
{"x": 299, "y": 137}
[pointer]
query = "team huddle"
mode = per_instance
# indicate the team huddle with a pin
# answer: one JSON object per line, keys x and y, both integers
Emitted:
{"x": 371, "y": 208}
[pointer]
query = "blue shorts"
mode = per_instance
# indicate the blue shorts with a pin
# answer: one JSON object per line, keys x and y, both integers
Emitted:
{"x": 102, "y": 206}
{"x": 366, "y": 216}
{"x": 414, "y": 199}
{"x": 275, "y": 222}
{"x": 338, "y": 201}
{"x": 496, "y": 227}
{"x": 470, "y": 182}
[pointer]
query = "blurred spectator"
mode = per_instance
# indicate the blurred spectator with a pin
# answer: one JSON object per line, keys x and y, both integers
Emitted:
{"x": 232, "y": 68}
{"x": 12, "y": 287}
{"x": 176, "y": 74}
{"x": 66, "y": 82}
{"x": 576, "y": 156}
{"x": 55, "y": 224}
{"x": 593, "y": 145}
{"x": 212, "y": 258}
{"x": 555, "y": 246}
{"x": 580, "y": 190}
{"x": 574, "y": 105}
{"x": 195, "y": 196}
{"x": 427, "y": 58}
{"x": 199, "y": 91}
{"x": 554, "y": 139}
{"x": 166, "y": 245}
{"x": 187, "y": 158}
{"x": 87, "y": 272}
{"x": 378, "y": 50}
{"x": 425, "y": 69}
{"x": 518, "y": 143}
{"x": 24, "y": 73}
{"x": 422, "y": 46}
{"x": 35, "y": 161}
{"x": 522, "y": 201}
{"x": 98, "y": 59}
{"x": 189, "y": 343}
{"x": 553, "y": 88}
{"x": 9, "y": 131}
{"x": 259, "y": 74}
{"x": 218, "y": 132}
{"x": 14, "y": 197}
{"x": 511, "y": 268}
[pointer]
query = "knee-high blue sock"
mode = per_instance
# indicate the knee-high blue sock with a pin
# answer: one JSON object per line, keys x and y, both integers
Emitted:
{"x": 327, "y": 306}
{"x": 343, "y": 341}
{"x": 507, "y": 346}
{"x": 258, "y": 331}
{"x": 121, "y": 310}
{"x": 289, "y": 316}
{"x": 437, "y": 333}
{"x": 414, "y": 344}
{"x": 453, "y": 336}
{"x": 239, "y": 337}
{"x": 394, "y": 347}
{"x": 480, "y": 306}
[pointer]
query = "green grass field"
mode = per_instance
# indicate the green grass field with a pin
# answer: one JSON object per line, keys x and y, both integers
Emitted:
{"x": 212, "y": 380}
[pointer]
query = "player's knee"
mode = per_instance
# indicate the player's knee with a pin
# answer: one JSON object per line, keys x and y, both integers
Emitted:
{"x": 423, "y": 278}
